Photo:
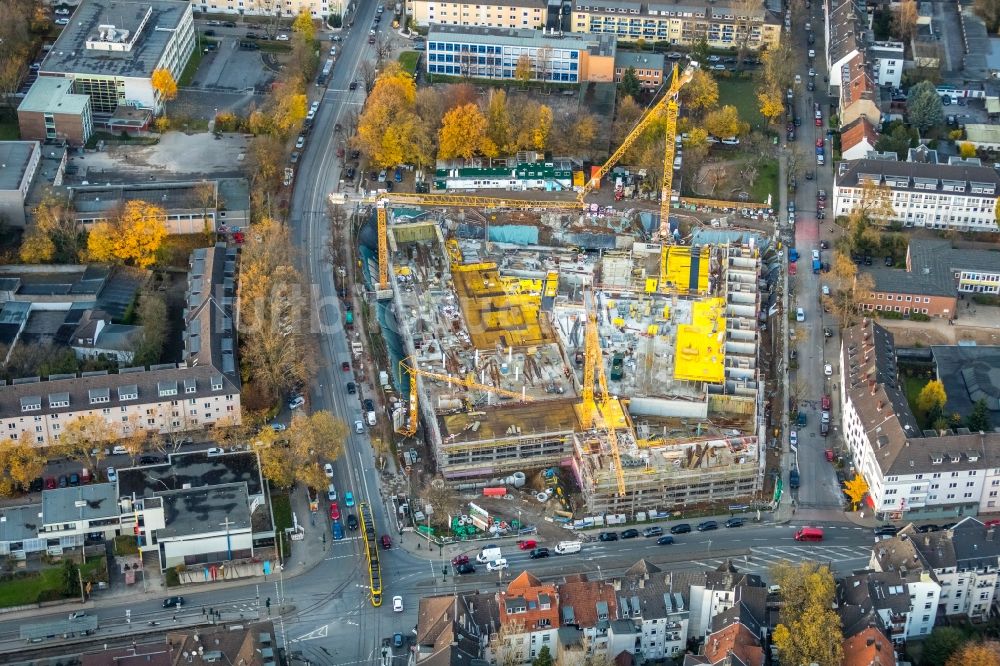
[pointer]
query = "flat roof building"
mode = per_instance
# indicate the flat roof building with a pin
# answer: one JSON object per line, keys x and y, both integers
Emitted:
{"x": 496, "y": 53}
{"x": 52, "y": 111}
{"x": 110, "y": 49}
{"x": 19, "y": 162}
{"x": 488, "y": 13}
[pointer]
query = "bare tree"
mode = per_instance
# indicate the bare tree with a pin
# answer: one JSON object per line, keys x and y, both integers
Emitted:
{"x": 368, "y": 75}
{"x": 747, "y": 13}
{"x": 904, "y": 20}
{"x": 383, "y": 47}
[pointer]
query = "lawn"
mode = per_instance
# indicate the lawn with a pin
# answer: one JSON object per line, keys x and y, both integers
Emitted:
{"x": 742, "y": 93}
{"x": 176, "y": 250}
{"x": 22, "y": 591}
{"x": 408, "y": 61}
{"x": 281, "y": 505}
{"x": 8, "y": 126}
{"x": 187, "y": 76}
{"x": 913, "y": 386}
{"x": 766, "y": 183}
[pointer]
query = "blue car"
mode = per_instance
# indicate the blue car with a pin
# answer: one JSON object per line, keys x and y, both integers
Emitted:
{"x": 338, "y": 530}
{"x": 349, "y": 498}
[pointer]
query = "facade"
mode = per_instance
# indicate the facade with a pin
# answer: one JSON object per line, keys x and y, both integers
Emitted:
{"x": 52, "y": 111}
{"x": 910, "y": 473}
{"x": 529, "y": 616}
{"x": 589, "y": 606}
{"x": 499, "y": 14}
{"x": 289, "y": 8}
{"x": 962, "y": 560}
{"x": 649, "y": 68}
{"x": 886, "y": 60}
{"x": 846, "y": 22}
{"x": 879, "y": 599}
{"x": 858, "y": 138}
{"x": 657, "y": 603}
{"x": 454, "y": 629}
{"x": 19, "y": 162}
{"x": 548, "y": 176}
{"x": 70, "y": 514}
{"x": 111, "y": 47}
{"x": 960, "y": 195}
{"x": 492, "y": 53}
{"x": 678, "y": 23}
{"x": 164, "y": 398}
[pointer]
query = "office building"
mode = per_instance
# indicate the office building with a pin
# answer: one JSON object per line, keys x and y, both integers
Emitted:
{"x": 19, "y": 162}
{"x": 482, "y": 13}
{"x": 649, "y": 68}
{"x": 51, "y": 111}
{"x": 494, "y": 53}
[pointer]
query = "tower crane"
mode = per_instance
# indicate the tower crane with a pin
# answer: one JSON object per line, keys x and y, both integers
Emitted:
{"x": 410, "y": 427}
{"x": 593, "y": 415}
{"x": 667, "y": 104}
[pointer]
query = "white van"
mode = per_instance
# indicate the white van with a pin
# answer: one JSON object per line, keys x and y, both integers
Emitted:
{"x": 119, "y": 451}
{"x": 568, "y": 547}
{"x": 489, "y": 553}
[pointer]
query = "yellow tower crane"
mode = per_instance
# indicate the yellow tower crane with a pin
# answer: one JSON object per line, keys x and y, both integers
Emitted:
{"x": 592, "y": 414}
{"x": 410, "y": 427}
{"x": 668, "y": 104}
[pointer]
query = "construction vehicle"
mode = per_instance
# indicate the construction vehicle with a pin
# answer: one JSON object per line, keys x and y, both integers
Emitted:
{"x": 668, "y": 104}
{"x": 409, "y": 428}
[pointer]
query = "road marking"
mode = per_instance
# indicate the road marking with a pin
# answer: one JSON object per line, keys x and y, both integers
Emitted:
{"x": 322, "y": 632}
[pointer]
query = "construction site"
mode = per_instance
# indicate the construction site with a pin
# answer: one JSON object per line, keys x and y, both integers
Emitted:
{"x": 520, "y": 359}
{"x": 631, "y": 365}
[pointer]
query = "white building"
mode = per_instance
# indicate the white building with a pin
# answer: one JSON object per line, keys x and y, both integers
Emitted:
{"x": 715, "y": 592}
{"x": 316, "y": 8}
{"x": 960, "y": 195}
{"x": 110, "y": 49}
{"x": 886, "y": 60}
{"x": 656, "y": 602}
{"x": 887, "y": 597}
{"x": 70, "y": 514}
{"x": 18, "y": 165}
{"x": 963, "y": 561}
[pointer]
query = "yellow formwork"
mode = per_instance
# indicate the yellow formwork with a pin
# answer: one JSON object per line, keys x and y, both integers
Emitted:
{"x": 700, "y": 352}
{"x": 687, "y": 269}
{"x": 493, "y": 315}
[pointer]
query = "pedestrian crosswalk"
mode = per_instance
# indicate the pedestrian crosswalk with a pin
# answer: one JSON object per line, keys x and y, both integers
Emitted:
{"x": 763, "y": 558}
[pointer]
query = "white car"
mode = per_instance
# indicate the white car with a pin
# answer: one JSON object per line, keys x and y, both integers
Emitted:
{"x": 828, "y": 370}
{"x": 496, "y": 565}
{"x": 112, "y": 475}
{"x": 793, "y": 437}
{"x": 826, "y": 290}
{"x": 281, "y": 38}
{"x": 800, "y": 314}
{"x": 62, "y": 21}
{"x": 301, "y": 141}
{"x": 297, "y": 402}
{"x": 279, "y": 427}
{"x": 359, "y": 427}
{"x": 328, "y": 470}
{"x": 336, "y": 38}
{"x": 397, "y": 604}
{"x": 215, "y": 451}
{"x": 62, "y": 12}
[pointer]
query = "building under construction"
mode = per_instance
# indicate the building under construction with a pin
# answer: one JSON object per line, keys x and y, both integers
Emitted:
{"x": 498, "y": 360}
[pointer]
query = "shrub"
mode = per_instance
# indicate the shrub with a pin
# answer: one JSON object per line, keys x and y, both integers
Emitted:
{"x": 172, "y": 578}
{"x": 49, "y": 595}
{"x": 126, "y": 544}
{"x": 889, "y": 314}
{"x": 919, "y": 316}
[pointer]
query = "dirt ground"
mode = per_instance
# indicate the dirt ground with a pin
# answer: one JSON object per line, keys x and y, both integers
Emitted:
{"x": 908, "y": 334}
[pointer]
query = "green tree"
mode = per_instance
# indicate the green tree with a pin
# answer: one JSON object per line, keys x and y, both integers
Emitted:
{"x": 499, "y": 127}
{"x": 70, "y": 578}
{"x": 701, "y": 93}
{"x": 932, "y": 399}
{"x": 630, "y": 83}
{"x": 899, "y": 139}
{"x": 979, "y": 419}
{"x": 544, "y": 657}
{"x": 700, "y": 50}
{"x": 152, "y": 314}
{"x": 941, "y": 645}
{"x": 924, "y": 109}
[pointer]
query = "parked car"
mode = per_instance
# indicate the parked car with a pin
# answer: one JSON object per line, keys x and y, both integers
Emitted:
{"x": 886, "y": 530}
{"x": 338, "y": 530}
{"x": 348, "y": 499}
{"x": 351, "y": 388}
{"x": 608, "y": 536}
{"x": 297, "y": 402}
{"x": 630, "y": 533}
{"x": 735, "y": 522}
{"x": 680, "y": 528}
{"x": 652, "y": 531}
{"x": 707, "y": 526}
{"x": 345, "y": 366}
{"x": 112, "y": 474}
{"x": 328, "y": 470}
{"x": 334, "y": 511}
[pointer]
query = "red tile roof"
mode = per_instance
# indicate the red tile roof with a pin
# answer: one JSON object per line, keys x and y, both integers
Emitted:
{"x": 869, "y": 647}
{"x": 539, "y": 601}
{"x": 858, "y": 84}
{"x": 856, "y": 132}
{"x": 734, "y": 641}
{"x": 583, "y": 595}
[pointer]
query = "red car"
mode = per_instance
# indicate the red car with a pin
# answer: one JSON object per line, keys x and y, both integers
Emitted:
{"x": 829, "y": 455}
{"x": 819, "y": 122}
{"x": 345, "y": 366}
{"x": 459, "y": 560}
{"x": 993, "y": 522}
{"x": 50, "y": 483}
{"x": 820, "y": 142}
{"x": 527, "y": 544}
{"x": 386, "y": 542}
{"x": 825, "y": 403}
{"x": 334, "y": 511}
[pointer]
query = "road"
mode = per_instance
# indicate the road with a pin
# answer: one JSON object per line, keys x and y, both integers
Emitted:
{"x": 819, "y": 487}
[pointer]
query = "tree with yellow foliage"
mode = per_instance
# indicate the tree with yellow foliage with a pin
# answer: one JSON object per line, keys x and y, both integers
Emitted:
{"x": 132, "y": 237}
{"x": 701, "y": 92}
{"x": 84, "y": 439}
{"x": 36, "y": 246}
{"x": 297, "y": 455}
{"x": 464, "y": 134}
{"x": 856, "y": 489}
{"x": 809, "y": 631}
{"x": 303, "y": 25}
{"x": 986, "y": 653}
{"x": 163, "y": 82}
{"x": 772, "y": 103}
{"x": 524, "y": 71}
{"x": 725, "y": 122}
{"x": 388, "y": 125}
{"x": 54, "y": 234}
{"x": 21, "y": 462}
{"x": 499, "y": 126}
{"x": 931, "y": 400}
{"x": 966, "y": 150}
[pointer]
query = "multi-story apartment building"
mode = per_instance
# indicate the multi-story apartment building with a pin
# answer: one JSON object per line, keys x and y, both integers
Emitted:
{"x": 910, "y": 473}
{"x": 657, "y": 604}
{"x": 879, "y": 598}
{"x": 846, "y": 21}
{"x": 165, "y": 398}
{"x": 110, "y": 49}
{"x": 858, "y": 93}
{"x": 960, "y": 195}
{"x": 493, "y": 53}
{"x": 715, "y": 592}
{"x": 724, "y": 24}
{"x": 530, "y": 619}
{"x": 858, "y": 138}
{"x": 886, "y": 60}
{"x": 963, "y": 561}
{"x": 498, "y": 14}
{"x": 649, "y": 68}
